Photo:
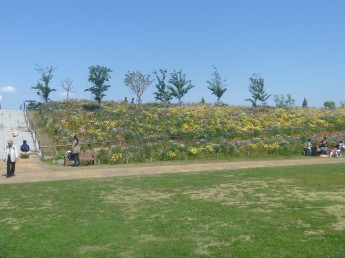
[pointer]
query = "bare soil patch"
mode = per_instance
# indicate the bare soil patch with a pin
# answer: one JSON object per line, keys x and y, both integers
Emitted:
{"x": 34, "y": 170}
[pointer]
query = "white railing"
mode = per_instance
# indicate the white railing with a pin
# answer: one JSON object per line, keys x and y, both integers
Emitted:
{"x": 33, "y": 133}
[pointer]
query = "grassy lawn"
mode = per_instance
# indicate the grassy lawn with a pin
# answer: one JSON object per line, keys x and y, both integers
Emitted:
{"x": 266, "y": 212}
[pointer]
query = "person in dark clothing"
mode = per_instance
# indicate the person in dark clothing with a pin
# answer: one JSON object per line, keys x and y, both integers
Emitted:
{"x": 323, "y": 146}
{"x": 76, "y": 151}
{"x": 25, "y": 147}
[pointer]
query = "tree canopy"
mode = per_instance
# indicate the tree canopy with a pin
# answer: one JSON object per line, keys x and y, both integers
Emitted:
{"x": 163, "y": 94}
{"x": 66, "y": 84}
{"x": 217, "y": 85}
{"x": 329, "y": 104}
{"x": 137, "y": 83}
{"x": 305, "y": 103}
{"x": 281, "y": 101}
{"x": 42, "y": 87}
{"x": 180, "y": 85}
{"x": 256, "y": 88}
{"x": 98, "y": 75}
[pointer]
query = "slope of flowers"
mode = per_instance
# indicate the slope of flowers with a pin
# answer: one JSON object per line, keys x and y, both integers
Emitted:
{"x": 131, "y": 133}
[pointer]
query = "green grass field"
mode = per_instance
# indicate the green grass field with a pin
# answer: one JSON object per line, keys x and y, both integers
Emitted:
{"x": 266, "y": 212}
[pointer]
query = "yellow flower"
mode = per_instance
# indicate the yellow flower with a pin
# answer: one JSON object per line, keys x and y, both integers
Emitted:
{"x": 116, "y": 156}
{"x": 170, "y": 155}
{"x": 209, "y": 148}
{"x": 194, "y": 150}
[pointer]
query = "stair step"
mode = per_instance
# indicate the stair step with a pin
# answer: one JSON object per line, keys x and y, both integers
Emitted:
{"x": 15, "y": 119}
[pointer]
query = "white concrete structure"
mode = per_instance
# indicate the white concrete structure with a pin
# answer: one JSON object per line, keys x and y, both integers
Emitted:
{"x": 11, "y": 120}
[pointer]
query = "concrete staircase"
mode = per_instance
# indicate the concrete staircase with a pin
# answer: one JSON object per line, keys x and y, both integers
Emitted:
{"x": 15, "y": 119}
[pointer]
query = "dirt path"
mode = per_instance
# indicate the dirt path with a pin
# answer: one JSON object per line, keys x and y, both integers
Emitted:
{"x": 33, "y": 170}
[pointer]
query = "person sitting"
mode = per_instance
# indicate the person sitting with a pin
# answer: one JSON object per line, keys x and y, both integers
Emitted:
{"x": 323, "y": 147}
{"x": 340, "y": 147}
{"x": 314, "y": 150}
{"x": 25, "y": 147}
{"x": 333, "y": 152}
{"x": 14, "y": 133}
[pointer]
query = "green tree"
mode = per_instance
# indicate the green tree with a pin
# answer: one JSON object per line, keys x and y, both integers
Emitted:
{"x": 33, "y": 105}
{"x": 137, "y": 83}
{"x": 290, "y": 102}
{"x": 98, "y": 75}
{"x": 181, "y": 86}
{"x": 305, "y": 103}
{"x": 329, "y": 105}
{"x": 217, "y": 85}
{"x": 281, "y": 101}
{"x": 342, "y": 104}
{"x": 42, "y": 87}
{"x": 256, "y": 88}
{"x": 163, "y": 94}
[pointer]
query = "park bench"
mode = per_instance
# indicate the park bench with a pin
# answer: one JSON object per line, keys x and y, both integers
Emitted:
{"x": 87, "y": 156}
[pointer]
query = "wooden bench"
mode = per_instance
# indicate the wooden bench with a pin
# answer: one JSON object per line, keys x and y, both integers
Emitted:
{"x": 87, "y": 156}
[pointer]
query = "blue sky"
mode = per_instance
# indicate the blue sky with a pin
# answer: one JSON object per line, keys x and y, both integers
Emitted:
{"x": 298, "y": 46}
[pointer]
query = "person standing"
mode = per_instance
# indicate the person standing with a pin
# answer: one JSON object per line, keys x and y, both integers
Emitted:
{"x": 11, "y": 154}
{"x": 308, "y": 146}
{"x": 76, "y": 151}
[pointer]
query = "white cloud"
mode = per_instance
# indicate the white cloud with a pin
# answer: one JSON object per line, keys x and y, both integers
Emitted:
{"x": 64, "y": 94}
{"x": 0, "y": 97}
{"x": 8, "y": 89}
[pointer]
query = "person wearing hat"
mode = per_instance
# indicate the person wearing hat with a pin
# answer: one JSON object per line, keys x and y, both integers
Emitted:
{"x": 11, "y": 154}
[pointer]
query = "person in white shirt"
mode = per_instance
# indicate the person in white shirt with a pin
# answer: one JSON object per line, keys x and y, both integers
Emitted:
{"x": 340, "y": 147}
{"x": 11, "y": 155}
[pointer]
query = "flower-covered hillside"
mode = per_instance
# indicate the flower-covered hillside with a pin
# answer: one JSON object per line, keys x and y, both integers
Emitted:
{"x": 151, "y": 131}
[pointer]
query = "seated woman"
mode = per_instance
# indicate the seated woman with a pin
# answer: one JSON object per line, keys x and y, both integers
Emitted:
{"x": 333, "y": 152}
{"x": 323, "y": 147}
